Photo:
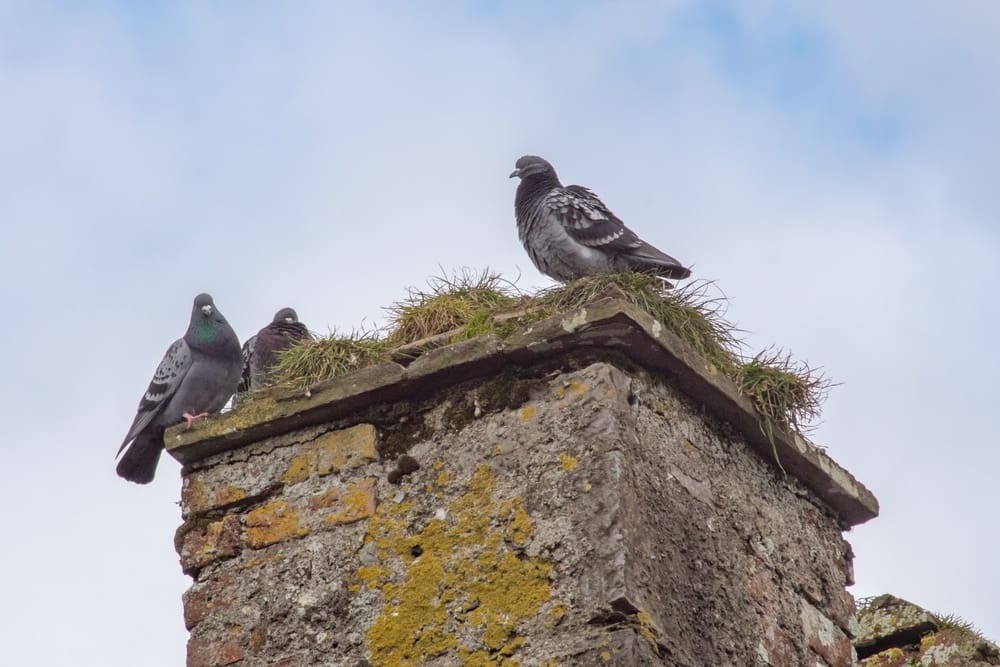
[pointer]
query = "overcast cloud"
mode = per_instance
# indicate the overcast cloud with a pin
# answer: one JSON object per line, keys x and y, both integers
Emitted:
{"x": 832, "y": 165}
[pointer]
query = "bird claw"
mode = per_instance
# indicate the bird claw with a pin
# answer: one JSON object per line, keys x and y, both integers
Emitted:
{"x": 190, "y": 419}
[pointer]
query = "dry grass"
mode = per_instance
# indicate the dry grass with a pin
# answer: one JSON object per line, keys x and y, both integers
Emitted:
{"x": 322, "y": 358}
{"x": 787, "y": 393}
{"x": 695, "y": 312}
{"x": 958, "y": 624}
{"x": 464, "y": 301}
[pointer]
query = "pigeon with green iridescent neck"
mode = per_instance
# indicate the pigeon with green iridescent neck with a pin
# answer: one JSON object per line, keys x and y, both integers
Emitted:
{"x": 197, "y": 376}
{"x": 260, "y": 352}
{"x": 569, "y": 233}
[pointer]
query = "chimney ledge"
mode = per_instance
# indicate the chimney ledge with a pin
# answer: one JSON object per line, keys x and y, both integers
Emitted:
{"x": 609, "y": 326}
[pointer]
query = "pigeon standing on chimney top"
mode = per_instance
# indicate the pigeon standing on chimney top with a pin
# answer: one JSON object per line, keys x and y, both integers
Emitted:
{"x": 196, "y": 377}
{"x": 260, "y": 352}
{"x": 569, "y": 233}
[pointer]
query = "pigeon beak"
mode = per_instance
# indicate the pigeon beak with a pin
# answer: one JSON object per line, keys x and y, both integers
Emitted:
{"x": 289, "y": 319}
{"x": 516, "y": 172}
{"x": 206, "y": 309}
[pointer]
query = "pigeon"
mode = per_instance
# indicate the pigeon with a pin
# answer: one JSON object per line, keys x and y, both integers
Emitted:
{"x": 569, "y": 233}
{"x": 197, "y": 376}
{"x": 260, "y": 351}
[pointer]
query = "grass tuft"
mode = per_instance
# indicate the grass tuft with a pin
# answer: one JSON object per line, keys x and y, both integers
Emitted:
{"x": 467, "y": 304}
{"x": 466, "y": 300}
{"x": 958, "y": 624}
{"x": 695, "y": 312}
{"x": 787, "y": 392}
{"x": 312, "y": 361}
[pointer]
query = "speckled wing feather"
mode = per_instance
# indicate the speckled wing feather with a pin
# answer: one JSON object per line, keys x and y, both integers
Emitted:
{"x": 167, "y": 378}
{"x": 247, "y": 355}
{"x": 588, "y": 221}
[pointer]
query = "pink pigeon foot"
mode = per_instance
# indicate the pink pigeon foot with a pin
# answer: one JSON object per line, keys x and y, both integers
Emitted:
{"x": 191, "y": 419}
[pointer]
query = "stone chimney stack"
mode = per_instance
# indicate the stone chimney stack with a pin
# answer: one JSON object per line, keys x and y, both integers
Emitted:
{"x": 587, "y": 491}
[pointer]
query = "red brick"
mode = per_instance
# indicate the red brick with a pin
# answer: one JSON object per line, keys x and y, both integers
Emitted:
{"x": 204, "y": 652}
{"x": 216, "y": 541}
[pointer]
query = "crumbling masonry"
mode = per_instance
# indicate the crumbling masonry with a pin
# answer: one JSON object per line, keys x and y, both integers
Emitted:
{"x": 589, "y": 492}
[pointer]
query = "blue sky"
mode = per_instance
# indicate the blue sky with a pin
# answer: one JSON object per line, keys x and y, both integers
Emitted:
{"x": 831, "y": 165}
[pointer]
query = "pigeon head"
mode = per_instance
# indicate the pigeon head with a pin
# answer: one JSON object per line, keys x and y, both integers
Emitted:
{"x": 530, "y": 165}
{"x": 287, "y": 315}
{"x": 208, "y": 325}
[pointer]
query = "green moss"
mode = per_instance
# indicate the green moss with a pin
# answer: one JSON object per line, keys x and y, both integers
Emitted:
{"x": 398, "y": 436}
{"x": 506, "y": 391}
{"x": 465, "y": 579}
{"x": 458, "y": 413}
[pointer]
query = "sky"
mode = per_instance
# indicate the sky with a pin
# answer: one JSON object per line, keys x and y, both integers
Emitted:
{"x": 831, "y": 165}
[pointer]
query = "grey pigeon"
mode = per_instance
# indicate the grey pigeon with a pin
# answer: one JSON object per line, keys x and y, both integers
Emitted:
{"x": 569, "y": 233}
{"x": 260, "y": 352}
{"x": 196, "y": 377}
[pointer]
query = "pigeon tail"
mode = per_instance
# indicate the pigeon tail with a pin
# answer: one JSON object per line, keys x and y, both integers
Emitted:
{"x": 138, "y": 464}
{"x": 648, "y": 258}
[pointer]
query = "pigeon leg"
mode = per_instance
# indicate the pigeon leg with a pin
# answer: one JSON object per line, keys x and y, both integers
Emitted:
{"x": 191, "y": 419}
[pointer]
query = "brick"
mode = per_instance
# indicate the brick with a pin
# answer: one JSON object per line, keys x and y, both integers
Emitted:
{"x": 216, "y": 541}
{"x": 332, "y": 452}
{"x": 345, "y": 449}
{"x": 825, "y": 638}
{"x": 776, "y": 648}
{"x": 202, "y": 652}
{"x": 204, "y": 599}
{"x": 274, "y": 522}
{"x": 346, "y": 505}
{"x": 198, "y": 496}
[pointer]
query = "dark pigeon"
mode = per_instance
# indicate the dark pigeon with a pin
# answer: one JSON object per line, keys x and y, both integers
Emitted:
{"x": 569, "y": 233}
{"x": 197, "y": 377}
{"x": 260, "y": 352}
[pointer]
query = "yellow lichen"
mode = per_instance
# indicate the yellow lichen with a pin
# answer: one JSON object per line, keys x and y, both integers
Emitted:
{"x": 646, "y": 629}
{"x": 272, "y": 523}
{"x": 199, "y": 496}
{"x": 571, "y": 390}
{"x": 528, "y": 413}
{"x": 299, "y": 468}
{"x": 520, "y": 527}
{"x": 606, "y": 656}
{"x": 258, "y": 411}
{"x": 333, "y": 452}
{"x": 464, "y": 579}
{"x": 352, "y": 504}
{"x": 568, "y": 462}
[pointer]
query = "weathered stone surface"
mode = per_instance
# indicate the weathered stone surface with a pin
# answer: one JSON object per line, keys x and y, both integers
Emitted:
{"x": 888, "y": 618}
{"x": 274, "y": 522}
{"x": 600, "y": 518}
{"x": 897, "y": 633}
{"x": 214, "y": 541}
{"x": 281, "y": 410}
{"x": 608, "y": 325}
{"x": 460, "y": 361}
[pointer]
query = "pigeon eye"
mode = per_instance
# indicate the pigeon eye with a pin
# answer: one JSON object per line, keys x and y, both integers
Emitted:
{"x": 206, "y": 309}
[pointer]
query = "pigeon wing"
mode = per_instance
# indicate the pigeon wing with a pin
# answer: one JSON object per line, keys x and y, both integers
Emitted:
{"x": 588, "y": 221}
{"x": 167, "y": 378}
{"x": 247, "y": 355}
